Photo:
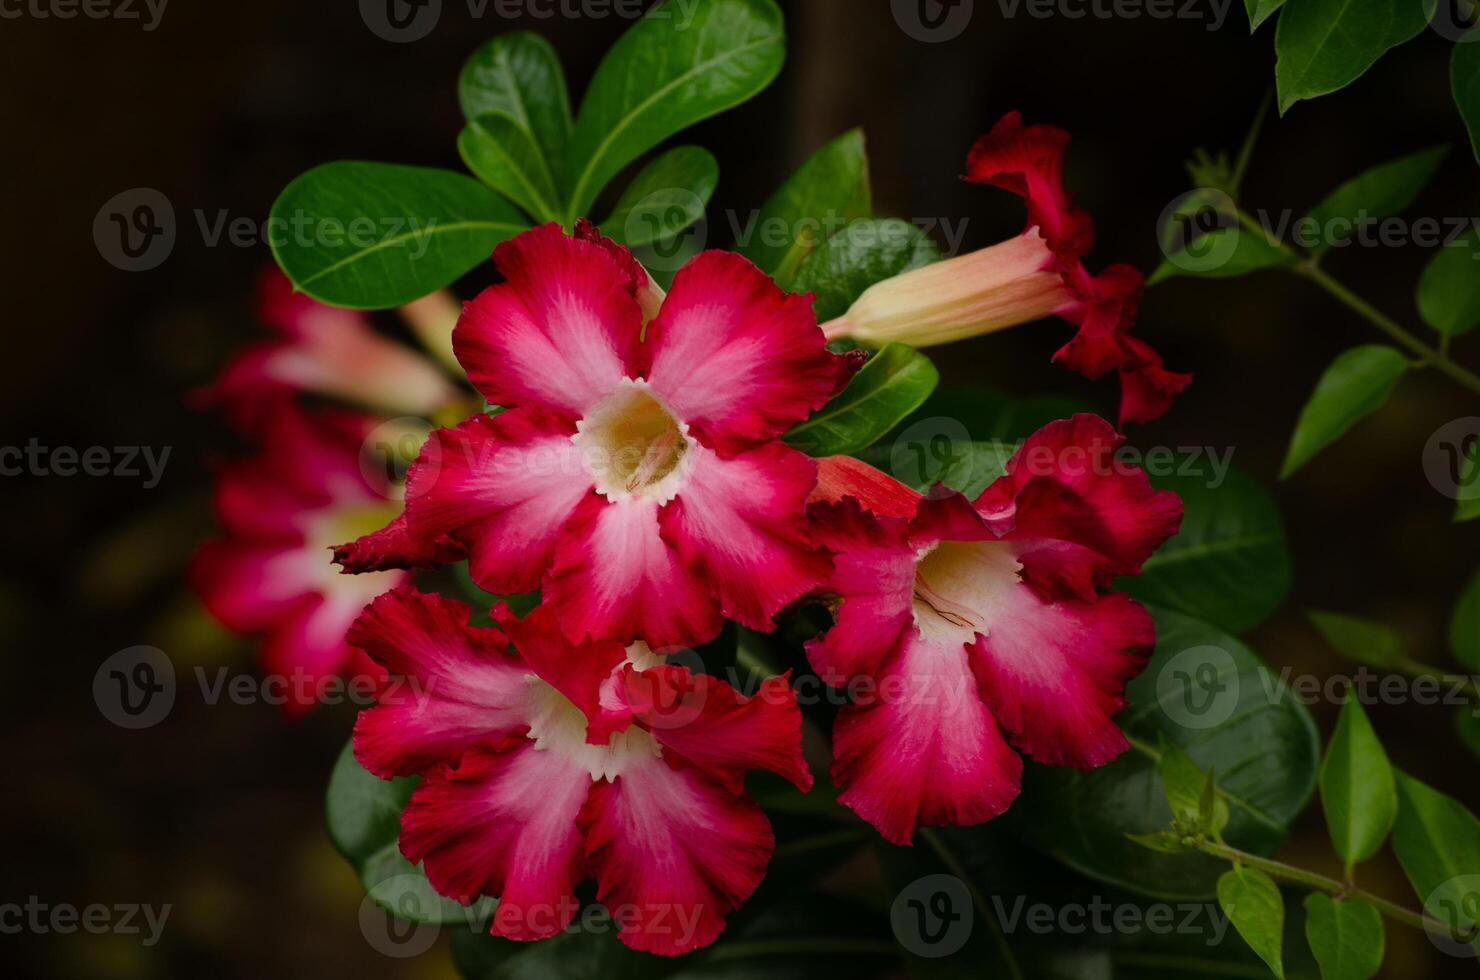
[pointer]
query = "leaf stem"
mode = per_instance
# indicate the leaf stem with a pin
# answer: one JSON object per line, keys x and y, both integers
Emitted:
{"x": 979, "y": 900}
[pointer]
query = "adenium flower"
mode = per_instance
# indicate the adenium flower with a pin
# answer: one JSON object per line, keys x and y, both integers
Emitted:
{"x": 636, "y": 477}
{"x": 546, "y": 763}
{"x": 983, "y": 624}
{"x": 1039, "y": 273}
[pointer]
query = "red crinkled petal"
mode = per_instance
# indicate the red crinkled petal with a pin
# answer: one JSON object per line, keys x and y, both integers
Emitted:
{"x": 452, "y": 685}
{"x": 673, "y": 853}
{"x": 1029, "y": 161}
{"x": 575, "y": 670}
{"x": 734, "y": 356}
{"x": 711, "y": 725}
{"x": 1147, "y": 389}
{"x": 394, "y": 546}
{"x": 504, "y": 823}
{"x": 559, "y": 334}
{"x": 840, "y": 477}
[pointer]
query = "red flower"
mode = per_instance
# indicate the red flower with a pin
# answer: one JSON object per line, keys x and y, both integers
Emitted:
{"x": 545, "y": 763}
{"x": 637, "y": 477}
{"x": 983, "y": 623}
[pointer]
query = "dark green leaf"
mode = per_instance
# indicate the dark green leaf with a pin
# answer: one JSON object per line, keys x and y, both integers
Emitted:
{"x": 519, "y": 75}
{"x": 1438, "y": 844}
{"x": 363, "y": 815}
{"x": 1345, "y": 935}
{"x": 1357, "y": 789}
{"x": 921, "y": 460}
{"x": 1229, "y": 564}
{"x": 1355, "y": 385}
{"x": 983, "y": 414}
{"x": 1190, "y": 792}
{"x": 1162, "y": 840}
{"x": 1464, "y": 626}
{"x": 891, "y": 385}
{"x": 377, "y": 235}
{"x": 1359, "y": 639}
{"x": 1467, "y": 727}
{"x": 1222, "y": 253}
{"x": 1208, "y": 693}
{"x": 669, "y": 195}
{"x": 1325, "y": 45}
{"x": 1260, "y": 11}
{"x": 1384, "y": 190}
{"x": 1253, "y": 903}
{"x": 1449, "y": 289}
{"x": 679, "y": 64}
{"x": 825, "y": 193}
{"x": 504, "y": 156}
{"x": 1464, "y": 82}
{"x": 867, "y": 251}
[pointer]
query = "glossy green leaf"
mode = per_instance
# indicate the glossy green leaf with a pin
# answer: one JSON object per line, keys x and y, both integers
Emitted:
{"x": 1190, "y": 792}
{"x": 1229, "y": 564}
{"x": 1260, "y": 11}
{"x": 1357, "y": 789}
{"x": 1222, "y": 253}
{"x": 1346, "y": 936}
{"x": 519, "y": 75}
{"x": 828, "y": 191}
{"x": 1449, "y": 289}
{"x": 1355, "y": 385}
{"x": 504, "y": 156}
{"x": 891, "y": 385}
{"x": 1256, "y": 908}
{"x": 1359, "y": 639}
{"x": 1322, "y": 46}
{"x": 867, "y": 251}
{"x": 1437, "y": 842}
{"x": 377, "y": 235}
{"x": 1464, "y": 82}
{"x": 666, "y": 197}
{"x": 984, "y": 414}
{"x": 681, "y": 63}
{"x": 1376, "y": 193}
{"x": 363, "y": 815}
{"x": 921, "y": 460}
{"x": 1464, "y": 626}
{"x": 1208, "y": 693}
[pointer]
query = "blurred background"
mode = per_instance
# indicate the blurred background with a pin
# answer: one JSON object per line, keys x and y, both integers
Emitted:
{"x": 218, "y": 810}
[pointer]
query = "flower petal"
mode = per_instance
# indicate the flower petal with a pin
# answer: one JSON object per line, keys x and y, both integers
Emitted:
{"x": 504, "y": 823}
{"x": 1029, "y": 161}
{"x": 576, "y": 671}
{"x": 394, "y": 546}
{"x": 673, "y": 853}
{"x": 503, "y": 487}
{"x": 559, "y": 334}
{"x": 452, "y": 685}
{"x": 735, "y": 357}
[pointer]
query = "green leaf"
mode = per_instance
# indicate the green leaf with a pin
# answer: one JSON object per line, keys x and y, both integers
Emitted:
{"x": 1357, "y": 789}
{"x": 867, "y": 251}
{"x": 363, "y": 816}
{"x": 1254, "y": 905}
{"x": 825, "y": 193}
{"x": 1449, "y": 289}
{"x": 1464, "y": 82}
{"x": 1376, "y": 193}
{"x": 681, "y": 63}
{"x": 519, "y": 75}
{"x": 376, "y": 235}
{"x": 1359, "y": 639}
{"x": 1162, "y": 840}
{"x": 891, "y": 385}
{"x": 1229, "y": 564}
{"x": 1260, "y": 11}
{"x": 1209, "y": 694}
{"x": 1464, "y": 626}
{"x": 1325, "y": 45}
{"x": 668, "y": 196}
{"x": 504, "y": 156}
{"x": 1345, "y": 935}
{"x": 1355, "y": 385}
{"x": 1190, "y": 792}
{"x": 920, "y": 461}
{"x": 983, "y": 414}
{"x": 1222, "y": 253}
{"x": 1438, "y": 844}
{"x": 1467, "y": 727}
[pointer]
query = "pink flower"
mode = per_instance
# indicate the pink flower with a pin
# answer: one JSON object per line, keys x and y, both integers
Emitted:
{"x": 545, "y": 764}
{"x": 637, "y": 477}
{"x": 981, "y": 623}
{"x": 1039, "y": 273}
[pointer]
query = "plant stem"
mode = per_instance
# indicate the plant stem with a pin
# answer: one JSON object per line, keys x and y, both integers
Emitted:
{"x": 1320, "y": 883}
{"x": 929, "y": 836}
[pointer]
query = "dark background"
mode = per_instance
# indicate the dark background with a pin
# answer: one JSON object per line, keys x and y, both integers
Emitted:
{"x": 218, "y": 810}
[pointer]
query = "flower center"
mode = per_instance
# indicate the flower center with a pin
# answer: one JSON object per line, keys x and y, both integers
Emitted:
{"x": 633, "y": 446}
{"x": 960, "y": 586}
